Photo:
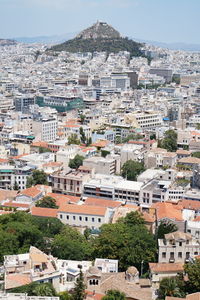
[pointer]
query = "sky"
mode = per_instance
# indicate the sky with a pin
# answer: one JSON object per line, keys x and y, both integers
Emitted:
{"x": 155, "y": 20}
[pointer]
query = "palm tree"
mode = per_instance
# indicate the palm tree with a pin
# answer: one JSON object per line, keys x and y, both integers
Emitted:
{"x": 114, "y": 295}
{"x": 44, "y": 289}
{"x": 169, "y": 287}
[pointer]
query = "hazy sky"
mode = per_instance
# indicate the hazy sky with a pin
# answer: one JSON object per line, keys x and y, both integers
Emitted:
{"x": 158, "y": 20}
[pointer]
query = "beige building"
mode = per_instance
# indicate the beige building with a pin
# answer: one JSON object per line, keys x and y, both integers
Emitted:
{"x": 88, "y": 216}
{"x": 177, "y": 247}
{"x": 144, "y": 120}
{"x": 101, "y": 165}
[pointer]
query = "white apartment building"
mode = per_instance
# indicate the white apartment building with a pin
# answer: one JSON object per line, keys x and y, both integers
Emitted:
{"x": 145, "y": 119}
{"x": 177, "y": 247}
{"x": 101, "y": 165}
{"x": 84, "y": 215}
{"x": 45, "y": 129}
{"x": 113, "y": 187}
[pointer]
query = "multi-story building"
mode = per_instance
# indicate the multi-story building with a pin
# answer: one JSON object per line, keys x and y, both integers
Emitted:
{"x": 70, "y": 183}
{"x": 23, "y": 102}
{"x": 45, "y": 129}
{"x": 113, "y": 187}
{"x": 144, "y": 119}
{"x": 101, "y": 165}
{"x": 177, "y": 247}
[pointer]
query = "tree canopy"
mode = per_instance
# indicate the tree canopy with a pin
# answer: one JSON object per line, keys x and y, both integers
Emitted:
{"x": 131, "y": 169}
{"x": 128, "y": 240}
{"x": 114, "y": 295}
{"x": 47, "y": 202}
{"x": 38, "y": 177}
{"x": 76, "y": 162}
{"x": 165, "y": 227}
{"x": 170, "y": 141}
{"x": 73, "y": 139}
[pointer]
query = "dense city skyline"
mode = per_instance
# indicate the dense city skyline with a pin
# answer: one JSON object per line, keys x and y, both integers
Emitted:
{"x": 163, "y": 21}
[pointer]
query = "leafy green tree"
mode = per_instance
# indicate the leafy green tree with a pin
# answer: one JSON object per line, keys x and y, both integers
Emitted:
{"x": 104, "y": 153}
{"x": 164, "y": 228}
{"x": 36, "y": 289}
{"x": 198, "y": 126}
{"x": 43, "y": 150}
{"x": 88, "y": 141}
{"x": 79, "y": 290}
{"x": 114, "y": 295}
{"x": 196, "y": 154}
{"x": 38, "y": 177}
{"x": 82, "y": 118}
{"x": 170, "y": 141}
{"x": 192, "y": 269}
{"x": 8, "y": 244}
{"x": 169, "y": 286}
{"x": 73, "y": 139}
{"x": 44, "y": 290}
{"x": 64, "y": 295}
{"x": 131, "y": 169}
{"x": 76, "y": 162}
{"x": 130, "y": 244}
{"x": 48, "y": 226}
{"x": 16, "y": 186}
{"x": 133, "y": 218}
{"x": 133, "y": 137}
{"x": 70, "y": 244}
{"x": 47, "y": 202}
{"x": 82, "y": 134}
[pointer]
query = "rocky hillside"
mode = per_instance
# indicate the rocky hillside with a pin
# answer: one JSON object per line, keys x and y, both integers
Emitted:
{"x": 99, "y": 37}
{"x": 100, "y": 30}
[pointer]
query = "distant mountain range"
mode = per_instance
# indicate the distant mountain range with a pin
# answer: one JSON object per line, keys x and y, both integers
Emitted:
{"x": 5, "y": 42}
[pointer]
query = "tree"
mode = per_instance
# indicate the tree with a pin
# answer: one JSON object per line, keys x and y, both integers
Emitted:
{"x": 164, "y": 228}
{"x": 192, "y": 269}
{"x": 132, "y": 218}
{"x": 169, "y": 286}
{"x": 82, "y": 134}
{"x": 114, "y": 295}
{"x": 16, "y": 186}
{"x": 73, "y": 139}
{"x": 198, "y": 126}
{"x": 130, "y": 244}
{"x": 76, "y": 162}
{"x": 64, "y": 296}
{"x": 38, "y": 177}
{"x": 44, "y": 290}
{"x": 79, "y": 290}
{"x": 170, "y": 141}
{"x": 131, "y": 169}
{"x": 43, "y": 150}
{"x": 196, "y": 154}
{"x": 104, "y": 153}
{"x": 82, "y": 118}
{"x": 88, "y": 141}
{"x": 47, "y": 202}
{"x": 70, "y": 244}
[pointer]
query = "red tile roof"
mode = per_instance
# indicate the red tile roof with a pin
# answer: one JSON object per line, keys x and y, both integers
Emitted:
{"x": 44, "y": 212}
{"x": 166, "y": 267}
{"x": 83, "y": 209}
{"x": 168, "y": 210}
{"x": 31, "y": 192}
{"x": 102, "y": 202}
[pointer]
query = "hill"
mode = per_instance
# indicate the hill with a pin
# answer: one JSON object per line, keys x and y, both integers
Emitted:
{"x": 99, "y": 37}
{"x": 4, "y": 42}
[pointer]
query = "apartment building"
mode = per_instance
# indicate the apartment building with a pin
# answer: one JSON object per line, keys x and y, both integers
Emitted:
{"x": 177, "y": 247}
{"x": 70, "y": 183}
{"x": 112, "y": 187}
{"x": 101, "y": 165}
{"x": 45, "y": 129}
{"x": 144, "y": 119}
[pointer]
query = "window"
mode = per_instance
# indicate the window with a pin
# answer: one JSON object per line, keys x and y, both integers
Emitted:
{"x": 180, "y": 244}
{"x": 86, "y": 219}
{"x": 67, "y": 217}
{"x": 61, "y": 216}
{"x": 74, "y": 217}
{"x": 80, "y": 218}
{"x": 99, "y": 220}
{"x": 179, "y": 254}
{"x": 163, "y": 254}
{"x": 92, "y": 219}
{"x": 187, "y": 255}
{"x": 187, "y": 242}
{"x": 195, "y": 253}
{"x": 171, "y": 255}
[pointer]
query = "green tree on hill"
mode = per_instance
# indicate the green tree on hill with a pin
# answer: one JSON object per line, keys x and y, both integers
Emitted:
{"x": 76, "y": 162}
